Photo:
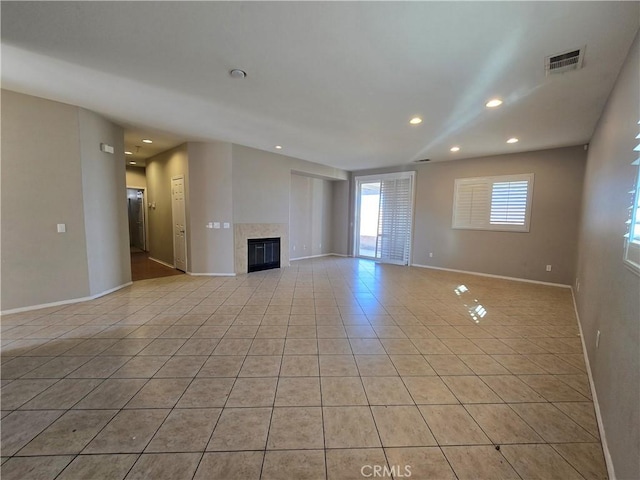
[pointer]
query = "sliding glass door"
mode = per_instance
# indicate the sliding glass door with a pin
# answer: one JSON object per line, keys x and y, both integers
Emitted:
{"x": 384, "y": 213}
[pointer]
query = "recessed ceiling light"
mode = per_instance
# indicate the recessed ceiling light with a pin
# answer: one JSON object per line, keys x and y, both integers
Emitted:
{"x": 512, "y": 140}
{"x": 237, "y": 73}
{"x": 128, "y": 153}
{"x": 455, "y": 149}
{"x": 132, "y": 163}
{"x": 278, "y": 147}
{"x": 146, "y": 140}
{"x": 493, "y": 103}
{"x": 415, "y": 121}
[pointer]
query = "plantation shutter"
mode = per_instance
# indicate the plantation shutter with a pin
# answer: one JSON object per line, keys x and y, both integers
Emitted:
{"x": 493, "y": 203}
{"x": 471, "y": 206}
{"x": 509, "y": 203}
{"x": 394, "y": 225}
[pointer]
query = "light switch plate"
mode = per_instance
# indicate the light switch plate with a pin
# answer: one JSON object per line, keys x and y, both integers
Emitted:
{"x": 62, "y": 227}
{"x": 216, "y": 224}
{"x": 226, "y": 224}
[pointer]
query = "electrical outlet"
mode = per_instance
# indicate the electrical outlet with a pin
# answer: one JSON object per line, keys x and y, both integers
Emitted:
{"x": 294, "y": 248}
{"x": 430, "y": 254}
{"x": 598, "y": 339}
{"x": 548, "y": 268}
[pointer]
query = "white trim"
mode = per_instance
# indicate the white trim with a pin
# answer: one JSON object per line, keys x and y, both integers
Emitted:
{"x": 162, "y": 263}
{"x": 480, "y": 274}
{"x": 338, "y": 255}
{"x": 411, "y": 175}
{"x": 386, "y": 176}
{"x": 312, "y": 256}
{"x": 65, "y": 302}
{"x": 596, "y": 406}
{"x": 211, "y": 274}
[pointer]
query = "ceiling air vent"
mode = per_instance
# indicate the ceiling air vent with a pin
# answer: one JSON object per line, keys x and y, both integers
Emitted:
{"x": 422, "y": 161}
{"x": 564, "y": 62}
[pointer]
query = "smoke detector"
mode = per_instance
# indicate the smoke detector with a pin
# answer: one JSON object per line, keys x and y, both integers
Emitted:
{"x": 564, "y": 62}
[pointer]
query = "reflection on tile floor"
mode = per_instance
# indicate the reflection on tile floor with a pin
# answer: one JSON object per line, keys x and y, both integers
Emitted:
{"x": 333, "y": 368}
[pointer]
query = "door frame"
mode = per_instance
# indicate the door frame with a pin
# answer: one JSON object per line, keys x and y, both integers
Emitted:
{"x": 356, "y": 224}
{"x": 146, "y": 214}
{"x": 173, "y": 233}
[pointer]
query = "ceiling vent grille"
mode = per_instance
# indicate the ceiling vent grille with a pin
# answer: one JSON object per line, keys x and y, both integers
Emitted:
{"x": 564, "y": 62}
{"x": 422, "y": 161}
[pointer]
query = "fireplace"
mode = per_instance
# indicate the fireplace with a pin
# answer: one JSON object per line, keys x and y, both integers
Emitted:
{"x": 263, "y": 254}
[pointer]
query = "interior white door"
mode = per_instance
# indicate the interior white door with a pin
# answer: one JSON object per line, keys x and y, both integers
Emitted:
{"x": 179, "y": 223}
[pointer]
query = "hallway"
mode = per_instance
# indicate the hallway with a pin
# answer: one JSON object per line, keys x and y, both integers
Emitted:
{"x": 143, "y": 269}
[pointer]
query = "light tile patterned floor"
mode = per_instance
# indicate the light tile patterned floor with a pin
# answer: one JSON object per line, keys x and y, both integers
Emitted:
{"x": 326, "y": 370}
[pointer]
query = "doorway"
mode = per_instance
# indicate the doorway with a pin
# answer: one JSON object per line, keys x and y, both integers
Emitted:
{"x": 384, "y": 214}
{"x": 137, "y": 220}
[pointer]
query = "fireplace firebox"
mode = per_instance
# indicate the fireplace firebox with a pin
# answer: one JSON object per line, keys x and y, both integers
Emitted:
{"x": 264, "y": 254}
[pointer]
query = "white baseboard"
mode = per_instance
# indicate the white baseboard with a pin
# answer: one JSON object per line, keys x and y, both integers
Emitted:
{"x": 480, "y": 274}
{"x": 65, "y": 302}
{"x": 211, "y": 274}
{"x": 603, "y": 438}
{"x": 312, "y": 256}
{"x": 162, "y": 263}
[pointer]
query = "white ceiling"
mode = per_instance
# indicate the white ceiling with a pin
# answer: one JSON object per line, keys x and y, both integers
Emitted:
{"x": 332, "y": 82}
{"x": 140, "y": 151}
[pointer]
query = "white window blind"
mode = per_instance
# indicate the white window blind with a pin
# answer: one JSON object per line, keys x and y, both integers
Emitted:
{"x": 472, "y": 205}
{"x": 384, "y": 217}
{"x": 493, "y": 203}
{"x": 509, "y": 203}
{"x": 394, "y": 226}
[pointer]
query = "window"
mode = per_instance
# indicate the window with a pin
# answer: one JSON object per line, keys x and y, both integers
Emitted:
{"x": 493, "y": 203}
{"x": 632, "y": 235}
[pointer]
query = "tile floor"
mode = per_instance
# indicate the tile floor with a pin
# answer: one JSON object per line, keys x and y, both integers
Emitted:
{"x": 333, "y": 368}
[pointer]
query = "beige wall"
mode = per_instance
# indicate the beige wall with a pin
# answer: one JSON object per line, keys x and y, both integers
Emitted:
{"x": 210, "y": 173}
{"x": 311, "y": 226}
{"x": 608, "y": 298}
{"x": 159, "y": 170}
{"x": 554, "y": 217}
{"x": 105, "y": 203}
{"x": 41, "y": 187}
{"x": 53, "y": 172}
{"x": 340, "y": 217}
{"x": 551, "y": 240}
{"x": 136, "y": 177}
{"x": 262, "y": 182}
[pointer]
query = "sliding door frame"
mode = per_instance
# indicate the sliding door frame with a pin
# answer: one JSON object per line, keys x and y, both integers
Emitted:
{"x": 358, "y": 181}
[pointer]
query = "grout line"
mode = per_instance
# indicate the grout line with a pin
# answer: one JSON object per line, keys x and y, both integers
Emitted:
{"x": 594, "y": 396}
{"x": 340, "y": 286}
